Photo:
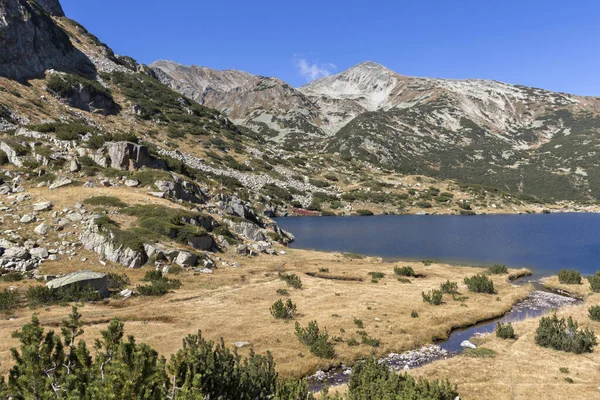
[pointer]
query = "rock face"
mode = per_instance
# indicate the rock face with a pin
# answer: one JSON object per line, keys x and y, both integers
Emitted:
{"x": 181, "y": 190}
{"x": 102, "y": 243}
{"x": 96, "y": 280}
{"x": 246, "y": 229}
{"x": 131, "y": 156}
{"x": 32, "y": 42}
{"x": 52, "y": 7}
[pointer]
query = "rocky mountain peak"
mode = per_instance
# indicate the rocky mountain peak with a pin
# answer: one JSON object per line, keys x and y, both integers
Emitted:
{"x": 52, "y": 7}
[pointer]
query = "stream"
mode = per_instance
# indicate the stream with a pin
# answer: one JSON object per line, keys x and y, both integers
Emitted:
{"x": 536, "y": 304}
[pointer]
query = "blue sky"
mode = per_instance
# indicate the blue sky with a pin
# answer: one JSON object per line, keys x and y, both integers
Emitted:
{"x": 548, "y": 44}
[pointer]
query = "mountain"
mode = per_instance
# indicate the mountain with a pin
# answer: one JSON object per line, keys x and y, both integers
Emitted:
{"x": 267, "y": 105}
{"x": 522, "y": 139}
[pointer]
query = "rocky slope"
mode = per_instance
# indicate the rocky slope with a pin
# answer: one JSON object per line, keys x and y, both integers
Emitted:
{"x": 522, "y": 139}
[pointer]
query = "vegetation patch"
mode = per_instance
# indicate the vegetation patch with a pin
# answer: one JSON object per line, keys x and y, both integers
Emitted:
{"x": 594, "y": 313}
{"x": 281, "y": 310}
{"x": 292, "y": 280}
{"x": 317, "y": 340}
{"x": 569, "y": 277}
{"x": 594, "y": 281}
{"x": 159, "y": 284}
{"x": 449, "y": 287}
{"x": 105, "y": 201}
{"x": 564, "y": 335}
{"x": 480, "y": 284}
{"x": 9, "y": 299}
{"x": 480, "y": 352}
{"x": 42, "y": 295}
{"x": 404, "y": 271}
{"x": 505, "y": 331}
{"x": 433, "y": 297}
{"x": 497, "y": 269}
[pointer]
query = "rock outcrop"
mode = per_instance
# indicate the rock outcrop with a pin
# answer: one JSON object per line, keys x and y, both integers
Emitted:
{"x": 180, "y": 189}
{"x": 32, "y": 42}
{"x": 102, "y": 243}
{"x": 131, "y": 156}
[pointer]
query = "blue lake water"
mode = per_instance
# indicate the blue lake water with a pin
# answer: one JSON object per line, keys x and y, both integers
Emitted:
{"x": 545, "y": 243}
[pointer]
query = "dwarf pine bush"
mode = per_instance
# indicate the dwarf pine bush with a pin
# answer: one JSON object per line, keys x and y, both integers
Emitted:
{"x": 317, "y": 341}
{"x": 505, "y": 331}
{"x": 281, "y": 310}
{"x": 594, "y": 313}
{"x": 449, "y": 287}
{"x": 572, "y": 277}
{"x": 291, "y": 279}
{"x": 564, "y": 335}
{"x": 433, "y": 297}
{"x": 595, "y": 282}
{"x": 480, "y": 284}
{"x": 497, "y": 269}
{"x": 404, "y": 271}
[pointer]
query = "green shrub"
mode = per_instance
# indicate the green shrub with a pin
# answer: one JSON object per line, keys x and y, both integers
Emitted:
{"x": 414, "y": 314}
{"x": 377, "y": 275}
{"x": 283, "y": 292}
{"x": 424, "y": 204}
{"x": 449, "y": 287}
{"x": 369, "y": 341}
{"x": 317, "y": 341}
{"x": 594, "y": 313}
{"x": 117, "y": 282}
{"x": 359, "y": 323}
{"x": 497, "y": 269}
{"x": 433, "y": 297}
{"x": 564, "y": 335}
{"x": 403, "y": 280}
{"x": 572, "y": 277}
{"x": 505, "y": 331}
{"x": 281, "y": 310}
{"x": 364, "y": 213}
{"x": 292, "y": 280}
{"x": 3, "y": 158}
{"x": 105, "y": 201}
{"x": 8, "y": 299}
{"x": 65, "y": 85}
{"x": 372, "y": 380}
{"x": 64, "y": 131}
{"x": 352, "y": 342}
{"x": 42, "y": 295}
{"x": 159, "y": 284}
{"x": 11, "y": 277}
{"x": 594, "y": 282}
{"x": 480, "y": 284}
{"x": 404, "y": 271}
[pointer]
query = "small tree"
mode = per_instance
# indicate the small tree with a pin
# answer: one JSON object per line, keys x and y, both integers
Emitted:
{"x": 595, "y": 282}
{"x": 564, "y": 335}
{"x": 594, "y": 313}
{"x": 449, "y": 287}
{"x": 317, "y": 341}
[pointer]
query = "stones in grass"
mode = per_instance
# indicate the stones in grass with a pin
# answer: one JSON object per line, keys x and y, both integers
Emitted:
{"x": 44, "y": 206}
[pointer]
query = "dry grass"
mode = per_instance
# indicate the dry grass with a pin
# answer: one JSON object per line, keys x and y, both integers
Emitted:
{"x": 233, "y": 303}
{"x": 580, "y": 291}
{"x": 523, "y": 370}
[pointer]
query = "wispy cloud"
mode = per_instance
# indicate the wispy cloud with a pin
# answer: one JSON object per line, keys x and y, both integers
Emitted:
{"x": 312, "y": 70}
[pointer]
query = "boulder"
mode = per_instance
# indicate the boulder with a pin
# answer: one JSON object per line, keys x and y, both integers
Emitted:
{"x": 202, "y": 242}
{"x": 39, "y": 252}
{"x": 181, "y": 190}
{"x": 12, "y": 155}
{"x": 103, "y": 243}
{"x": 247, "y": 229}
{"x": 97, "y": 280}
{"x": 27, "y": 219}
{"x": 60, "y": 182}
{"x": 185, "y": 259}
{"x": 17, "y": 253}
{"x": 467, "y": 344}
{"x": 131, "y": 156}
{"x": 45, "y": 206}
{"x": 74, "y": 166}
{"x": 132, "y": 183}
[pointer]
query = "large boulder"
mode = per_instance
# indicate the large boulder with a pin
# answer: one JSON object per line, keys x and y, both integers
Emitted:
{"x": 131, "y": 156}
{"x": 236, "y": 207}
{"x": 180, "y": 189}
{"x": 32, "y": 42}
{"x": 247, "y": 229}
{"x": 13, "y": 156}
{"x": 202, "y": 242}
{"x": 104, "y": 243}
{"x": 96, "y": 280}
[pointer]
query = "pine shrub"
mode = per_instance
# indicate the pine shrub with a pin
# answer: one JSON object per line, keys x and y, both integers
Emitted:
{"x": 572, "y": 277}
{"x": 480, "y": 284}
{"x": 292, "y": 280}
{"x": 505, "y": 331}
{"x": 595, "y": 282}
{"x": 281, "y": 310}
{"x": 564, "y": 335}
{"x": 449, "y": 287}
{"x": 594, "y": 313}
{"x": 404, "y": 271}
{"x": 8, "y": 299}
{"x": 433, "y": 297}
{"x": 497, "y": 269}
{"x": 317, "y": 341}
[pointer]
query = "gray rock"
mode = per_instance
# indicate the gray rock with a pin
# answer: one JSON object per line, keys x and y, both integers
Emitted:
{"x": 12, "y": 155}
{"x": 132, "y": 183}
{"x": 203, "y": 242}
{"x": 131, "y": 156}
{"x": 74, "y": 166}
{"x": 103, "y": 243}
{"x": 181, "y": 190}
{"x": 247, "y": 229}
{"x": 17, "y": 252}
{"x": 241, "y": 344}
{"x": 39, "y": 252}
{"x": 97, "y": 280}
{"x": 126, "y": 293}
{"x": 60, "y": 182}
{"x": 468, "y": 344}
{"x": 45, "y": 206}
{"x": 27, "y": 218}
{"x": 185, "y": 259}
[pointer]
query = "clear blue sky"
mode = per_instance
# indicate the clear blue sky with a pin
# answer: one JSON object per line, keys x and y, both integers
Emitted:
{"x": 549, "y": 44}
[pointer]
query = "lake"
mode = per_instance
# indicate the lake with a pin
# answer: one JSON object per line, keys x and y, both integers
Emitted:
{"x": 544, "y": 243}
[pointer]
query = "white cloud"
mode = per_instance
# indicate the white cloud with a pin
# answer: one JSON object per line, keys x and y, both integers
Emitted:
{"x": 314, "y": 70}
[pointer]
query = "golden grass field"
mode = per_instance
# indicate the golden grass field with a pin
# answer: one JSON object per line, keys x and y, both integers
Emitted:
{"x": 234, "y": 303}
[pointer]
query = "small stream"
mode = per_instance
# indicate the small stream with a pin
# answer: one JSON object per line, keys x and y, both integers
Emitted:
{"x": 536, "y": 304}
